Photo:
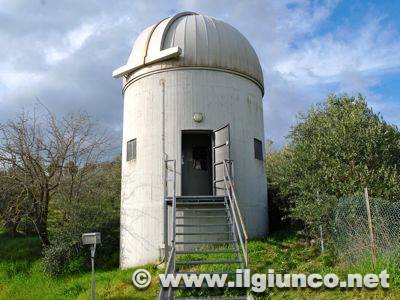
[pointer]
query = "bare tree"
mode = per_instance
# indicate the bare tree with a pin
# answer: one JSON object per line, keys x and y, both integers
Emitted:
{"x": 11, "y": 202}
{"x": 37, "y": 151}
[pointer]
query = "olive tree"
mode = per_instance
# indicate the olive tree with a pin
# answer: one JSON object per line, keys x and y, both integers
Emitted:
{"x": 336, "y": 149}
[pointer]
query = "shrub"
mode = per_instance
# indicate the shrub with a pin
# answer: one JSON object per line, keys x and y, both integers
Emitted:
{"x": 336, "y": 149}
{"x": 58, "y": 257}
{"x": 66, "y": 254}
{"x": 95, "y": 208}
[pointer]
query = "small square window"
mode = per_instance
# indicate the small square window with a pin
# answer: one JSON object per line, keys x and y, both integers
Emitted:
{"x": 131, "y": 150}
{"x": 258, "y": 149}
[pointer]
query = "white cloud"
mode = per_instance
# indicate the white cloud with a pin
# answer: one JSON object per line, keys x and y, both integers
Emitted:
{"x": 70, "y": 48}
{"x": 12, "y": 80}
{"x": 370, "y": 50}
{"x": 73, "y": 41}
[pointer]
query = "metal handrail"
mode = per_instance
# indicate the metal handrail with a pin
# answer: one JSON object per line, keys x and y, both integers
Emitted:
{"x": 229, "y": 187}
{"x": 171, "y": 266}
{"x": 174, "y": 208}
{"x": 166, "y": 293}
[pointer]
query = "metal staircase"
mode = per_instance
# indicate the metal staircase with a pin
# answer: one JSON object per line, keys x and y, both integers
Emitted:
{"x": 206, "y": 233}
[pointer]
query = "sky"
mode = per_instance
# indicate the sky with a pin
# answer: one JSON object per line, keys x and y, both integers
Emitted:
{"x": 63, "y": 52}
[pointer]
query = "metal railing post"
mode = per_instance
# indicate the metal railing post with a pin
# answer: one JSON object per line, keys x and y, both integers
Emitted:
{"x": 174, "y": 212}
{"x": 166, "y": 246}
{"x": 168, "y": 293}
{"x": 241, "y": 230}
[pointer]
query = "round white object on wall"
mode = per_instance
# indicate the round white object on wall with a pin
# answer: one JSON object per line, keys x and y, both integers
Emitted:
{"x": 198, "y": 117}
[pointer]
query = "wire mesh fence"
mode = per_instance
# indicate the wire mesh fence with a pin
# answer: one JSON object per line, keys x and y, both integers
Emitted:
{"x": 359, "y": 231}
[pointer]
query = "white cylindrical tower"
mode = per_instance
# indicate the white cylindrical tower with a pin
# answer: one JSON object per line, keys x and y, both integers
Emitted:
{"x": 187, "y": 76}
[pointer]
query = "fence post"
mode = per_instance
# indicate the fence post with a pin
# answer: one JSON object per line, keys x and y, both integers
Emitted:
{"x": 371, "y": 230}
{"x": 321, "y": 235}
{"x": 322, "y": 239}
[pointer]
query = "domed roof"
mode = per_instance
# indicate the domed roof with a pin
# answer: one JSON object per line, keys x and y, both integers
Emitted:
{"x": 195, "y": 41}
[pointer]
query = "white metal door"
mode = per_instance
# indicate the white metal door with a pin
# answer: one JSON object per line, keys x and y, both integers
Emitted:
{"x": 221, "y": 152}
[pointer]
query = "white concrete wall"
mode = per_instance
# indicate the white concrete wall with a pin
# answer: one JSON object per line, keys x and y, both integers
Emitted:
{"x": 222, "y": 98}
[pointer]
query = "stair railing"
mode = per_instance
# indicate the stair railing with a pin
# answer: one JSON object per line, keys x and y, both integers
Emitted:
{"x": 236, "y": 214}
{"x": 168, "y": 293}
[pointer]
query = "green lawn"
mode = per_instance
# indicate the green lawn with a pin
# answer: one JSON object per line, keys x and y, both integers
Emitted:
{"x": 286, "y": 253}
{"x": 22, "y": 276}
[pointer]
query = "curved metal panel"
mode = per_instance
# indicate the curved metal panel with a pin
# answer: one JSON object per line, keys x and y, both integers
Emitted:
{"x": 202, "y": 40}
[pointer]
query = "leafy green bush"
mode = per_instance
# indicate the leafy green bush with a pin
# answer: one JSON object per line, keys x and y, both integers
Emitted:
{"x": 336, "y": 149}
{"x": 95, "y": 208}
{"x": 66, "y": 254}
{"x": 58, "y": 257}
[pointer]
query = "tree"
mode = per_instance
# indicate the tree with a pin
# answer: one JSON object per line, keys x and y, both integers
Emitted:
{"x": 37, "y": 150}
{"x": 336, "y": 149}
{"x": 11, "y": 200}
{"x": 94, "y": 208}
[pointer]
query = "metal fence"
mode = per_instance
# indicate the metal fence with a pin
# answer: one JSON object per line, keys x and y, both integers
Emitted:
{"x": 364, "y": 226}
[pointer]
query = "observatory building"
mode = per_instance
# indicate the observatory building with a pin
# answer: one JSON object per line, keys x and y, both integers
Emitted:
{"x": 193, "y": 89}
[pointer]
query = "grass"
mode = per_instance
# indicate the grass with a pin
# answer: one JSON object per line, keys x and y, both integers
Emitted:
{"x": 286, "y": 253}
{"x": 22, "y": 276}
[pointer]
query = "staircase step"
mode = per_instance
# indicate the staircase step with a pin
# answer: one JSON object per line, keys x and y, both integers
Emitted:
{"x": 208, "y": 262}
{"x": 203, "y": 233}
{"x": 203, "y": 225}
{"x": 200, "y": 198}
{"x": 207, "y": 242}
{"x": 205, "y": 203}
{"x": 201, "y": 217}
{"x": 204, "y": 285}
{"x": 200, "y": 209}
{"x": 211, "y": 273}
{"x": 213, "y": 298}
{"x": 207, "y": 251}
{"x": 188, "y": 215}
{"x": 201, "y": 213}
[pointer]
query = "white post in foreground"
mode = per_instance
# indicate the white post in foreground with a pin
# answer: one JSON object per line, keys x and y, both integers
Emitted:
{"x": 92, "y": 239}
{"x": 370, "y": 227}
{"x": 321, "y": 235}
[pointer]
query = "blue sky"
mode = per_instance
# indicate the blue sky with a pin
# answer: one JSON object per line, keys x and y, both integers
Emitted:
{"x": 63, "y": 52}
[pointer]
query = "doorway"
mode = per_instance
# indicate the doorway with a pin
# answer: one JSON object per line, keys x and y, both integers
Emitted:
{"x": 197, "y": 175}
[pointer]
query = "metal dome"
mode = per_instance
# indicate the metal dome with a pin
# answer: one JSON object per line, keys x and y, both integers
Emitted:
{"x": 190, "y": 40}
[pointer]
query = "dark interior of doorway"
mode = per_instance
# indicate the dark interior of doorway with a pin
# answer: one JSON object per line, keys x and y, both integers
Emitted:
{"x": 196, "y": 163}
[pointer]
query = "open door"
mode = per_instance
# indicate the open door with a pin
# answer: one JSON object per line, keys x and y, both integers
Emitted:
{"x": 221, "y": 152}
{"x": 196, "y": 163}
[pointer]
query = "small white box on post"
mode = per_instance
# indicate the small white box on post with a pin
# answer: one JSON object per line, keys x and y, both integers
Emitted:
{"x": 92, "y": 239}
